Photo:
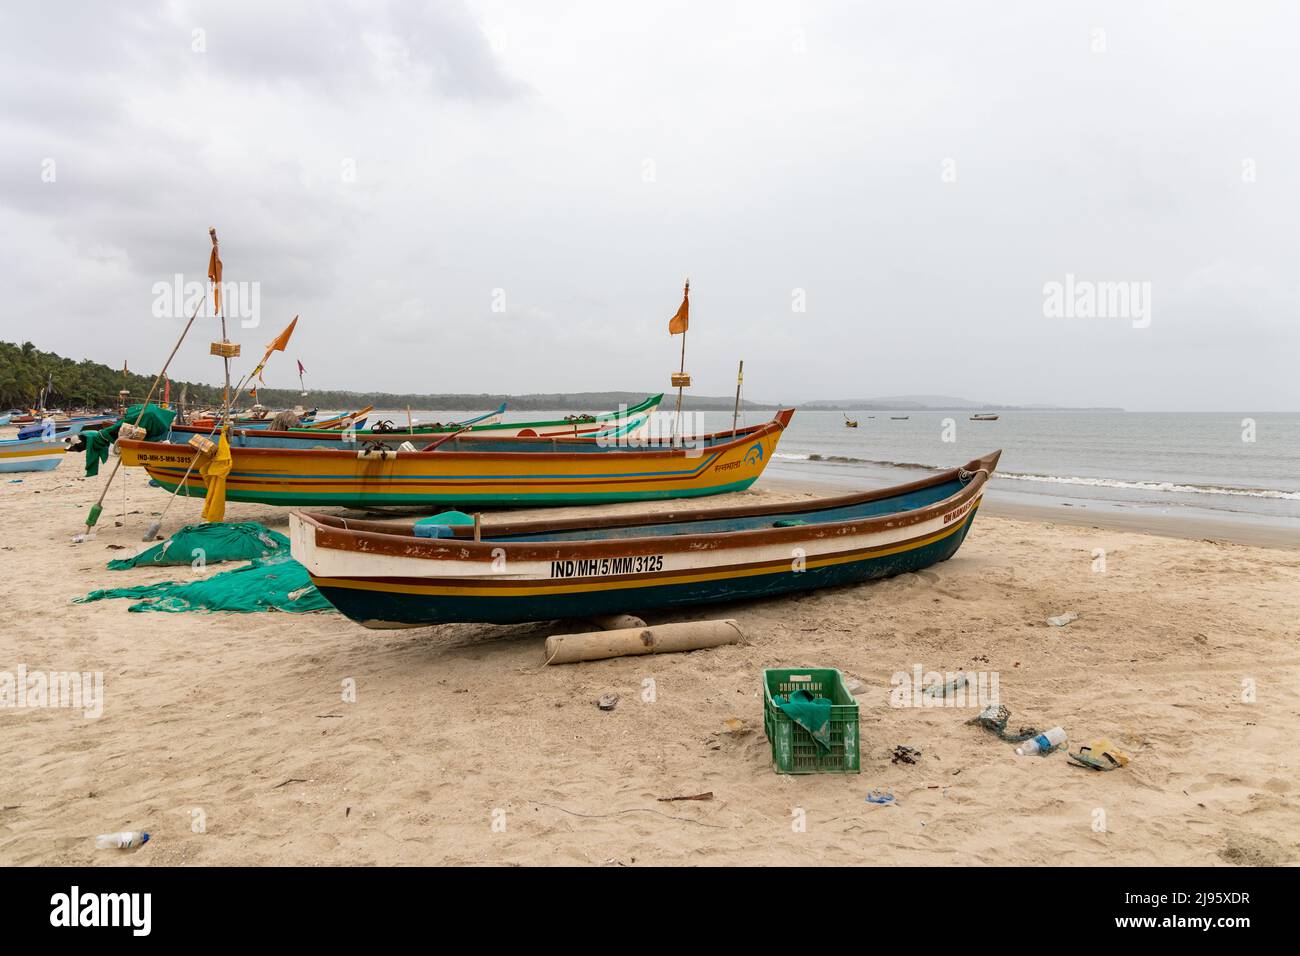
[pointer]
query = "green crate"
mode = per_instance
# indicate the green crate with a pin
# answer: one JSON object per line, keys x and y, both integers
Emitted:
{"x": 793, "y": 749}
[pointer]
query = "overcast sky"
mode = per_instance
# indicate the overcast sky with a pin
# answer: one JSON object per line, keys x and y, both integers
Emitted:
{"x": 912, "y": 174}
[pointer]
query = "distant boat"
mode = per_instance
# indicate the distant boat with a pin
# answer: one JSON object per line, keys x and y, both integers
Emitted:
{"x": 984, "y": 418}
{"x": 850, "y": 422}
{"x": 384, "y": 575}
{"x": 899, "y": 418}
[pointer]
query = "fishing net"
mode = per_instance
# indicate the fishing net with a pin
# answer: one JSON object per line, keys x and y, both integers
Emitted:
{"x": 274, "y": 584}
{"x": 157, "y": 423}
{"x": 209, "y": 543}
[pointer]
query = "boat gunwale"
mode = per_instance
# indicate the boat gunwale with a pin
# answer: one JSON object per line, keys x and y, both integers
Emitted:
{"x": 334, "y": 533}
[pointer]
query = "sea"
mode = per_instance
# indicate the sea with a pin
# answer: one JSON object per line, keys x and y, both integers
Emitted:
{"x": 1234, "y": 467}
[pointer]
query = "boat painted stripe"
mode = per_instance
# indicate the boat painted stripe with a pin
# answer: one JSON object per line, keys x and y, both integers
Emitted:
{"x": 570, "y": 586}
{"x": 270, "y": 477}
{"x": 32, "y": 452}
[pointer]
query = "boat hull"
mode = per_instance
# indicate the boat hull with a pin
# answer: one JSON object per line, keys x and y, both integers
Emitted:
{"x": 385, "y": 576}
{"x": 32, "y": 454}
{"x": 396, "y": 604}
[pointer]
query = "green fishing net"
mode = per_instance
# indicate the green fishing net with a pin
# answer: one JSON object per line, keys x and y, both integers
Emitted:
{"x": 210, "y": 543}
{"x": 275, "y": 584}
{"x": 157, "y": 423}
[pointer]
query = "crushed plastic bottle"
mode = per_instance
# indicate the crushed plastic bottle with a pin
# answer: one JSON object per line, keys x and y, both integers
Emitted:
{"x": 126, "y": 840}
{"x": 1042, "y": 743}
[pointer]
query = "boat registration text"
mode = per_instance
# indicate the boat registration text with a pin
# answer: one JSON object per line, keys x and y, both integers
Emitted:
{"x": 595, "y": 567}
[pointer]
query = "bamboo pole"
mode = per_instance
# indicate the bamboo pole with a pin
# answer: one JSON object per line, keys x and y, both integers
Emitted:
{"x": 677, "y": 412}
{"x": 735, "y": 415}
{"x": 98, "y": 506}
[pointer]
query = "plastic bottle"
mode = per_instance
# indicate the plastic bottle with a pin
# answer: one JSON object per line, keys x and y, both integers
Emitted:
{"x": 1043, "y": 742}
{"x": 126, "y": 840}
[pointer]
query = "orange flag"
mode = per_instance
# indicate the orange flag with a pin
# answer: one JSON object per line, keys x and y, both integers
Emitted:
{"x": 278, "y": 345}
{"x": 214, "y": 274}
{"x": 679, "y": 321}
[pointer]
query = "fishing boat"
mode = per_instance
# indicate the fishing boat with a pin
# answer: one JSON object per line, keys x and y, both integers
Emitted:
{"x": 39, "y": 453}
{"x": 241, "y": 437}
{"x": 572, "y": 426}
{"x": 71, "y": 426}
{"x": 263, "y": 421}
{"x": 984, "y": 418}
{"x": 383, "y": 575}
{"x": 624, "y": 422}
{"x": 478, "y": 470}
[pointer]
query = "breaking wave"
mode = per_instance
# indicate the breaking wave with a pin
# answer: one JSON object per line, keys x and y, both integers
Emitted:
{"x": 1168, "y": 487}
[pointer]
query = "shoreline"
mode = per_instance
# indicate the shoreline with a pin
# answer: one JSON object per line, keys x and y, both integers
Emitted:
{"x": 1244, "y": 530}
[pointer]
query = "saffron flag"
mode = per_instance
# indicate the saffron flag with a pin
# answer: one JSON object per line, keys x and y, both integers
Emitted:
{"x": 214, "y": 275}
{"x": 677, "y": 324}
{"x": 214, "y": 472}
{"x": 277, "y": 345}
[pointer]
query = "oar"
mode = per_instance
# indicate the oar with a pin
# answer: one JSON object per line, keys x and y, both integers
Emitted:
{"x": 433, "y": 445}
{"x": 98, "y": 508}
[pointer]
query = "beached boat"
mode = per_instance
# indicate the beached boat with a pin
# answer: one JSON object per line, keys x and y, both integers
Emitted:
{"x": 573, "y": 426}
{"x": 71, "y": 426}
{"x": 479, "y": 470}
{"x": 384, "y": 575}
{"x": 39, "y": 453}
{"x": 207, "y": 423}
{"x": 241, "y": 437}
{"x": 624, "y": 422}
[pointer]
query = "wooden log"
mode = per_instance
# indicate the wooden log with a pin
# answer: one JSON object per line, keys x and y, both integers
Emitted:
{"x": 615, "y": 622}
{"x": 660, "y": 639}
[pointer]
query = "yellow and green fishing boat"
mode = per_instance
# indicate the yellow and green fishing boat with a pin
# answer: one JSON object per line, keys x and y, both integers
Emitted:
{"x": 478, "y": 470}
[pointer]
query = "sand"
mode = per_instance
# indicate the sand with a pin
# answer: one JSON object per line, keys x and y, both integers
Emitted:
{"x": 227, "y": 737}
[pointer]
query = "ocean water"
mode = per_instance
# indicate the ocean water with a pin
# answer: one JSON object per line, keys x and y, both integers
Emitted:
{"x": 1243, "y": 466}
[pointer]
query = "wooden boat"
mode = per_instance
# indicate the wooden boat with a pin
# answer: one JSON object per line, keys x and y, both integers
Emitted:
{"x": 899, "y": 418}
{"x": 38, "y": 453}
{"x": 262, "y": 420}
{"x": 383, "y": 575}
{"x": 72, "y": 426}
{"x": 387, "y": 427}
{"x": 479, "y": 470}
{"x": 984, "y": 418}
{"x": 622, "y": 422}
{"x": 574, "y": 426}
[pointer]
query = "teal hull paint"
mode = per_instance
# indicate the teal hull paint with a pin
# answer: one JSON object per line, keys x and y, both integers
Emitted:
{"x": 298, "y": 499}
{"x": 387, "y": 608}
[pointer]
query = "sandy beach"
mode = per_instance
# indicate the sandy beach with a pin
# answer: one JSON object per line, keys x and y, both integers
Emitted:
{"x": 227, "y": 738}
